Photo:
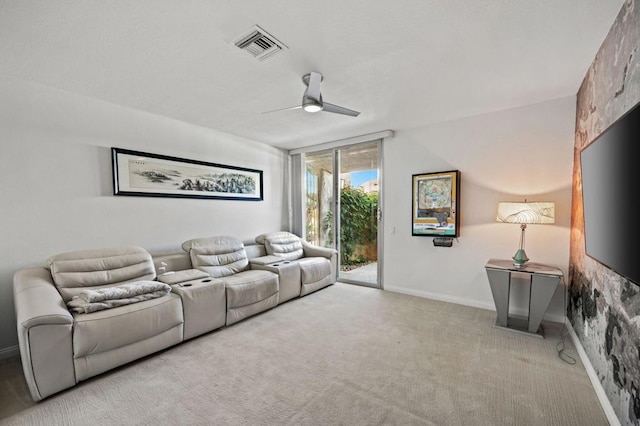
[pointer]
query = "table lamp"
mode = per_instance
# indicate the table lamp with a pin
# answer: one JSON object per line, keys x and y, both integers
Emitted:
{"x": 525, "y": 213}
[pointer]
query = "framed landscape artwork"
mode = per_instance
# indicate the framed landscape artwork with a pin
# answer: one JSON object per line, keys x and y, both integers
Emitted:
{"x": 151, "y": 175}
{"x": 435, "y": 204}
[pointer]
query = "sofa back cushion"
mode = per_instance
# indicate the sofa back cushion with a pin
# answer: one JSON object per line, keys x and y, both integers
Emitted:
{"x": 75, "y": 271}
{"x": 283, "y": 244}
{"x": 218, "y": 256}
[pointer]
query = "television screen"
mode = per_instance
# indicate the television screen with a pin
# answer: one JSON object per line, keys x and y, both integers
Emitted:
{"x": 610, "y": 168}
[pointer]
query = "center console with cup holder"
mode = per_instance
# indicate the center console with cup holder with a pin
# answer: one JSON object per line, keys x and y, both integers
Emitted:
{"x": 203, "y": 300}
{"x": 288, "y": 273}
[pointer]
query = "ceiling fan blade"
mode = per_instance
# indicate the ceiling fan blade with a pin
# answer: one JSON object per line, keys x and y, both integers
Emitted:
{"x": 282, "y": 109}
{"x": 313, "y": 88}
{"x": 326, "y": 106}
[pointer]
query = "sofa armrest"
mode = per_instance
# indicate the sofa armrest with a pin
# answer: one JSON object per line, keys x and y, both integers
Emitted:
{"x": 316, "y": 251}
{"x": 265, "y": 260}
{"x": 37, "y": 300}
{"x": 45, "y": 333}
{"x": 311, "y": 250}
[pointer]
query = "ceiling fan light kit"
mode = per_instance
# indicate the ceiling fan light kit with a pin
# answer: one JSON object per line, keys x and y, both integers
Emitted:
{"x": 312, "y": 98}
{"x": 311, "y": 107}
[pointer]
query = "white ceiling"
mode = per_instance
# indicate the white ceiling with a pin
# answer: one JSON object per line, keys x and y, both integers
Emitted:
{"x": 403, "y": 64}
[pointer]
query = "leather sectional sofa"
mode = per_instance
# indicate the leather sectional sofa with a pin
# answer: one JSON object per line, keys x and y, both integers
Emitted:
{"x": 214, "y": 282}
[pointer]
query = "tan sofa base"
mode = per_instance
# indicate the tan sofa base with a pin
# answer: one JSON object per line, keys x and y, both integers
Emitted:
{"x": 91, "y": 365}
{"x": 204, "y": 303}
{"x": 112, "y": 337}
{"x": 288, "y": 276}
{"x": 311, "y": 287}
{"x": 238, "y": 314}
{"x": 249, "y": 287}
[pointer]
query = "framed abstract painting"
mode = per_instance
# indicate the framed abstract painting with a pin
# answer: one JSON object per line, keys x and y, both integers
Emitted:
{"x": 436, "y": 204}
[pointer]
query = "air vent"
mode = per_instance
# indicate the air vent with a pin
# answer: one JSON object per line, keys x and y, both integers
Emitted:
{"x": 259, "y": 44}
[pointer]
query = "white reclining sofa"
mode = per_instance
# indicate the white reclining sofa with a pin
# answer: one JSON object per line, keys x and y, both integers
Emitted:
{"x": 318, "y": 265}
{"x": 213, "y": 282}
{"x": 60, "y": 348}
{"x": 248, "y": 292}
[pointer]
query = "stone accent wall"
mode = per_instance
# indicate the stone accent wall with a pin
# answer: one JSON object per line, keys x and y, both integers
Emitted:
{"x": 604, "y": 308}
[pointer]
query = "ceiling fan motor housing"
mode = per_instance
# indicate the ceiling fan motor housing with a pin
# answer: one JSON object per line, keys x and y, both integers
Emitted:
{"x": 312, "y": 98}
{"x": 306, "y": 77}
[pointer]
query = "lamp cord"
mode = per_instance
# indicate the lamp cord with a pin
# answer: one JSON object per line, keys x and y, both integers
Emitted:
{"x": 560, "y": 346}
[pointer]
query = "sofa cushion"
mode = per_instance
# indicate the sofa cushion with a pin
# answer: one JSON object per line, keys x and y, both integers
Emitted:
{"x": 106, "y": 339}
{"x": 283, "y": 244}
{"x": 105, "y": 330}
{"x": 217, "y": 256}
{"x": 178, "y": 277}
{"x": 73, "y": 271}
{"x": 313, "y": 269}
{"x": 248, "y": 287}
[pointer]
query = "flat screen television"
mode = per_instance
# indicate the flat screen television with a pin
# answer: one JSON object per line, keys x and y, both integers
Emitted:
{"x": 610, "y": 167}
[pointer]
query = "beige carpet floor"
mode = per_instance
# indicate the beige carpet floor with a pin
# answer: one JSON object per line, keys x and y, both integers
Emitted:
{"x": 345, "y": 355}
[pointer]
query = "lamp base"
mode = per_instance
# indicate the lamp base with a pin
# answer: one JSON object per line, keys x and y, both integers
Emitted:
{"x": 520, "y": 259}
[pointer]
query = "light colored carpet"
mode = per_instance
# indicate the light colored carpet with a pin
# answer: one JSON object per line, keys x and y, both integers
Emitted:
{"x": 345, "y": 355}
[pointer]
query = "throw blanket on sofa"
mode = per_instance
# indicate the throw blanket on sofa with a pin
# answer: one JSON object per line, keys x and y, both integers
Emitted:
{"x": 111, "y": 297}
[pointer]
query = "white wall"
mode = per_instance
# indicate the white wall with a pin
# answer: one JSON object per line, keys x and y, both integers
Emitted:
{"x": 55, "y": 174}
{"x": 503, "y": 156}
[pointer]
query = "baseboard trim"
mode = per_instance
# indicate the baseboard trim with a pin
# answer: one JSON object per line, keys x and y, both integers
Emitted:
{"x": 442, "y": 298}
{"x": 593, "y": 376}
{"x": 466, "y": 302}
{"x": 9, "y": 352}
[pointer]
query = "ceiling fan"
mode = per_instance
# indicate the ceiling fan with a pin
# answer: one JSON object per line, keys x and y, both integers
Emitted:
{"x": 312, "y": 98}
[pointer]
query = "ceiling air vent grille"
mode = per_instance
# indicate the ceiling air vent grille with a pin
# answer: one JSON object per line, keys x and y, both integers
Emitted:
{"x": 259, "y": 44}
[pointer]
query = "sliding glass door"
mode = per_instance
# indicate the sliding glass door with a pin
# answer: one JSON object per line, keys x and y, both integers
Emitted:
{"x": 342, "y": 208}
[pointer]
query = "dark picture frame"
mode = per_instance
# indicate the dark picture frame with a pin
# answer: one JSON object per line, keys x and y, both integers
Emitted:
{"x": 144, "y": 174}
{"x": 436, "y": 205}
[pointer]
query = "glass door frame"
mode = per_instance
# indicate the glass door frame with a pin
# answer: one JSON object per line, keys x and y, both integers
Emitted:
{"x": 335, "y": 150}
{"x": 379, "y": 282}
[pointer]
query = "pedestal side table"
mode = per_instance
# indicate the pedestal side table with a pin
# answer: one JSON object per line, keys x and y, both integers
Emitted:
{"x": 543, "y": 281}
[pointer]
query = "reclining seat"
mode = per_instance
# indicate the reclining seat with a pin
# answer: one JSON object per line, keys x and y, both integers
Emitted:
{"x": 248, "y": 291}
{"x": 318, "y": 265}
{"x": 60, "y": 348}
